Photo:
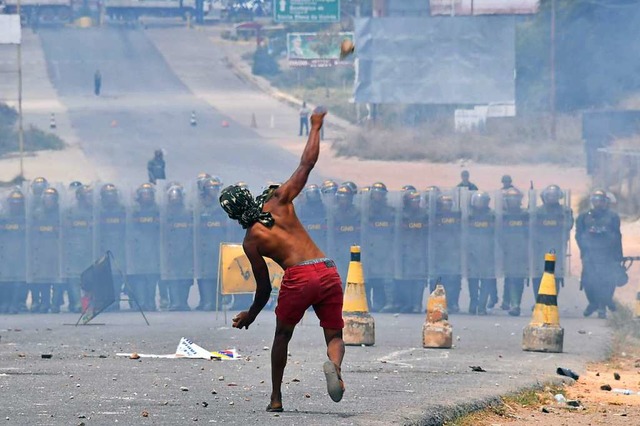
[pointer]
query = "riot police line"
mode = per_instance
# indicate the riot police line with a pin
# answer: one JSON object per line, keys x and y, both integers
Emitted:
{"x": 166, "y": 238}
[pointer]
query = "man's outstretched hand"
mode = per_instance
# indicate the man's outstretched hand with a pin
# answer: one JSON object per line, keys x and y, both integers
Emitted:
{"x": 243, "y": 319}
{"x": 318, "y": 117}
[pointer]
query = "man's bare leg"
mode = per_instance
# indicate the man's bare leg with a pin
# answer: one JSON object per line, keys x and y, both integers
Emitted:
{"x": 279, "y": 351}
{"x": 335, "y": 352}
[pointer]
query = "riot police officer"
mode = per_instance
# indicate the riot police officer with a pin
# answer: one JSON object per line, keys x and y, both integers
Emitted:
{"x": 78, "y": 223}
{"x": 352, "y": 186}
{"x": 445, "y": 246}
{"x": 551, "y": 230}
{"x": 112, "y": 218}
{"x": 38, "y": 185}
{"x": 515, "y": 248}
{"x": 480, "y": 248}
{"x": 13, "y": 252}
{"x": 177, "y": 244}
{"x": 600, "y": 242}
{"x": 411, "y": 252}
{"x": 377, "y": 234}
{"x": 143, "y": 243}
{"x": 43, "y": 260}
{"x": 211, "y": 230}
{"x": 156, "y": 167}
{"x": 344, "y": 228}
{"x": 313, "y": 215}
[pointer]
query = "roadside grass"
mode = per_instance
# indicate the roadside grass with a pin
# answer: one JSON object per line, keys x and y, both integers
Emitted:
{"x": 519, "y": 140}
{"x": 626, "y": 338}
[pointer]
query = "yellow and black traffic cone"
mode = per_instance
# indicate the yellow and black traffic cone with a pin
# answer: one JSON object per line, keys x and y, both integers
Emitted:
{"x": 544, "y": 334}
{"x": 254, "y": 124}
{"x": 436, "y": 331}
{"x": 359, "y": 326}
{"x": 52, "y": 121}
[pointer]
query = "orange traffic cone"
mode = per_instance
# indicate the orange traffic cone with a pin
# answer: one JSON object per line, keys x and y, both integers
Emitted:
{"x": 436, "y": 331}
{"x": 359, "y": 326}
{"x": 544, "y": 334}
{"x": 114, "y": 123}
{"x": 224, "y": 123}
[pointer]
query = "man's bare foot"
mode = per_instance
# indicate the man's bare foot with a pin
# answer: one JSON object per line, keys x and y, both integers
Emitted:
{"x": 335, "y": 384}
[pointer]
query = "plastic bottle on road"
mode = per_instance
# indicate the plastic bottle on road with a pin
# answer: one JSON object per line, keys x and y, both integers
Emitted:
{"x": 623, "y": 391}
{"x": 560, "y": 398}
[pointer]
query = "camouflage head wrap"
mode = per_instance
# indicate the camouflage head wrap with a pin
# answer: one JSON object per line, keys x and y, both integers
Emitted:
{"x": 239, "y": 204}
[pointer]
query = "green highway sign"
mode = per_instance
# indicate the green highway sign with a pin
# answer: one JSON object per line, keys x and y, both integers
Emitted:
{"x": 306, "y": 10}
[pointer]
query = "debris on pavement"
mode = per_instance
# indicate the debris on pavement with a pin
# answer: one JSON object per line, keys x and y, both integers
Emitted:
{"x": 605, "y": 387}
{"x": 567, "y": 372}
{"x": 477, "y": 368}
{"x": 616, "y": 376}
{"x": 189, "y": 350}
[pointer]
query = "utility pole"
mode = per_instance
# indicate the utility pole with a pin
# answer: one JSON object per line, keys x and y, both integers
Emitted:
{"x": 20, "y": 128}
{"x": 552, "y": 48}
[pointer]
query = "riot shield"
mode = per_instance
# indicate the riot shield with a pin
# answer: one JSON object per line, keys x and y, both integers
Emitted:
{"x": 445, "y": 233}
{"x": 343, "y": 229}
{"x": 479, "y": 236}
{"x": 514, "y": 240}
{"x": 78, "y": 222}
{"x": 212, "y": 227}
{"x": 44, "y": 248}
{"x": 111, "y": 218}
{"x": 410, "y": 242}
{"x": 177, "y": 237}
{"x": 142, "y": 234}
{"x": 13, "y": 244}
{"x": 551, "y": 230}
{"x": 313, "y": 216}
{"x": 378, "y": 220}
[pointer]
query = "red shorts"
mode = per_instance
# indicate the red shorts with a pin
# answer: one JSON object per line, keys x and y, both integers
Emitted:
{"x": 317, "y": 285}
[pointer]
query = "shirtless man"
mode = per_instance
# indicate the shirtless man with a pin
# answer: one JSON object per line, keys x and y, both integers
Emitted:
{"x": 310, "y": 279}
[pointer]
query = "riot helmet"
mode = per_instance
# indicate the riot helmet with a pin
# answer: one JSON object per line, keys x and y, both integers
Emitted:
{"x": 50, "y": 199}
{"x": 38, "y": 185}
{"x": 109, "y": 195}
{"x": 201, "y": 178}
{"x": 480, "y": 200}
{"x": 409, "y": 188}
{"x": 411, "y": 199}
{"x": 175, "y": 196}
{"x": 551, "y": 195}
{"x": 512, "y": 199}
{"x": 211, "y": 188}
{"x": 312, "y": 194}
{"x": 352, "y": 186}
{"x": 344, "y": 196}
{"x": 329, "y": 187}
{"x": 75, "y": 185}
{"x": 84, "y": 195}
{"x": 15, "y": 200}
{"x": 146, "y": 194}
{"x": 599, "y": 200}
{"x": 445, "y": 203}
{"x": 431, "y": 191}
{"x": 378, "y": 192}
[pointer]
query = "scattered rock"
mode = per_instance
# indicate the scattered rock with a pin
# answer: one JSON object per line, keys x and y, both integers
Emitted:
{"x": 82, "y": 416}
{"x": 47, "y": 356}
{"x": 221, "y": 378}
{"x": 231, "y": 403}
{"x": 477, "y": 368}
{"x": 597, "y": 374}
{"x": 296, "y": 380}
{"x": 232, "y": 384}
{"x": 266, "y": 348}
{"x": 213, "y": 392}
{"x": 184, "y": 388}
{"x": 145, "y": 413}
{"x": 573, "y": 403}
{"x": 545, "y": 410}
{"x": 22, "y": 355}
{"x": 616, "y": 376}
{"x": 306, "y": 395}
{"x": 261, "y": 381}
{"x": 134, "y": 356}
{"x": 605, "y": 387}
{"x": 205, "y": 404}
{"x": 582, "y": 332}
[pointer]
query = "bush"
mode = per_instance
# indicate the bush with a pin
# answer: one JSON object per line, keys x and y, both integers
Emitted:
{"x": 34, "y": 138}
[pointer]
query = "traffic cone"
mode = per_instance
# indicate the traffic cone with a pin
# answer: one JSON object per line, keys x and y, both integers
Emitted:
{"x": 359, "y": 327}
{"x": 224, "y": 123}
{"x": 52, "y": 121}
{"x": 254, "y": 125}
{"x": 544, "y": 334}
{"x": 114, "y": 123}
{"x": 193, "y": 121}
{"x": 436, "y": 331}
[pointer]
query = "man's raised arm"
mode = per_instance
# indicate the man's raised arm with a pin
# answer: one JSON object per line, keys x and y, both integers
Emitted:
{"x": 292, "y": 187}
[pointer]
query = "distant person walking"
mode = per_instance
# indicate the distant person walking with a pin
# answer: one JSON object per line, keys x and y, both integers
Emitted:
{"x": 304, "y": 119}
{"x": 465, "y": 181}
{"x": 155, "y": 167}
{"x": 97, "y": 82}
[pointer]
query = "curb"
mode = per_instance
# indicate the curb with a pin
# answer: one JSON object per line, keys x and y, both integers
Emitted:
{"x": 443, "y": 414}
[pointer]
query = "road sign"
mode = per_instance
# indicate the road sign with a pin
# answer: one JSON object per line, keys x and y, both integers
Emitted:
{"x": 306, "y": 10}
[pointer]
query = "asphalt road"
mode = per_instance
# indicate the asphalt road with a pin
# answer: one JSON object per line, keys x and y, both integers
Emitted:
{"x": 395, "y": 381}
{"x": 144, "y": 106}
